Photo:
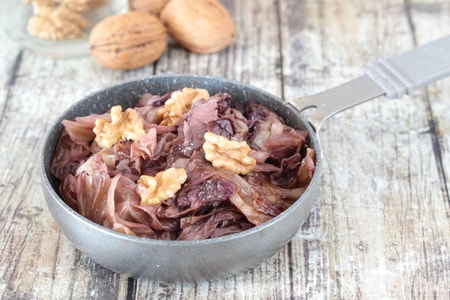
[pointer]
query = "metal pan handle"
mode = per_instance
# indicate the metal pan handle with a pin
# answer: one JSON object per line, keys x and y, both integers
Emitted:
{"x": 393, "y": 77}
{"x": 404, "y": 73}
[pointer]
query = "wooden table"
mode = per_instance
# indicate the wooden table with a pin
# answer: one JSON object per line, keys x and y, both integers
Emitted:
{"x": 380, "y": 228}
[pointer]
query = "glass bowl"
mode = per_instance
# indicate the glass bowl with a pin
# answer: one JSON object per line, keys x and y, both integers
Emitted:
{"x": 16, "y": 13}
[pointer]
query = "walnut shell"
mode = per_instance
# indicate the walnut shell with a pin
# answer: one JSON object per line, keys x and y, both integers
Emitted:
{"x": 151, "y": 6}
{"x": 85, "y": 5}
{"x": 128, "y": 41}
{"x": 201, "y": 26}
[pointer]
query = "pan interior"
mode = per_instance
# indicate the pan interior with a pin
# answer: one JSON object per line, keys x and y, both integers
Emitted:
{"x": 127, "y": 95}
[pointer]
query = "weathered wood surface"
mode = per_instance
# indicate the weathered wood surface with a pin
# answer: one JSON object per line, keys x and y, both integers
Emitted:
{"x": 380, "y": 228}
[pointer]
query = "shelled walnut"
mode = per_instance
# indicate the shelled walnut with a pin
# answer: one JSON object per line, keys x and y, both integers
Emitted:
{"x": 230, "y": 155}
{"x": 123, "y": 126}
{"x": 154, "y": 190}
{"x": 60, "y": 19}
{"x": 180, "y": 103}
{"x": 52, "y": 21}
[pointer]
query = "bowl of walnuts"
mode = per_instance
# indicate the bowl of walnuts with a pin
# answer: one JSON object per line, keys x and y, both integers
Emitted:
{"x": 119, "y": 34}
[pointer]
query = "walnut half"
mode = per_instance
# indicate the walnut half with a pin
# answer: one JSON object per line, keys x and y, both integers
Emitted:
{"x": 226, "y": 154}
{"x": 154, "y": 190}
{"x": 180, "y": 103}
{"x": 51, "y": 21}
{"x": 123, "y": 126}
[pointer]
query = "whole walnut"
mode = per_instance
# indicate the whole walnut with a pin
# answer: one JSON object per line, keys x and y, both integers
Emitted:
{"x": 151, "y": 6}
{"x": 128, "y": 41}
{"x": 84, "y": 5}
{"x": 201, "y": 26}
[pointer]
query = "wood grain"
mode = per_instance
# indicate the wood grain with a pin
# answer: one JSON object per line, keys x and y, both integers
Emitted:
{"x": 380, "y": 228}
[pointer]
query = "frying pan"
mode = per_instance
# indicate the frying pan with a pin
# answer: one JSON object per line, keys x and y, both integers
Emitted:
{"x": 192, "y": 261}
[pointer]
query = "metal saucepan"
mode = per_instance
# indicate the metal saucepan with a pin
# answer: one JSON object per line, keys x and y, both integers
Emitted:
{"x": 205, "y": 259}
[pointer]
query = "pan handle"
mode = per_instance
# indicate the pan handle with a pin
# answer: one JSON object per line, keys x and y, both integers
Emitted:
{"x": 393, "y": 77}
{"x": 404, "y": 73}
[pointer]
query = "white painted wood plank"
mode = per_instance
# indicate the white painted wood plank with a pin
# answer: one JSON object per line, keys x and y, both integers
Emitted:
{"x": 380, "y": 228}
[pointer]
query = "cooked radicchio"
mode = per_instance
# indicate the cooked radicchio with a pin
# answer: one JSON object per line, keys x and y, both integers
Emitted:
{"x": 101, "y": 183}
